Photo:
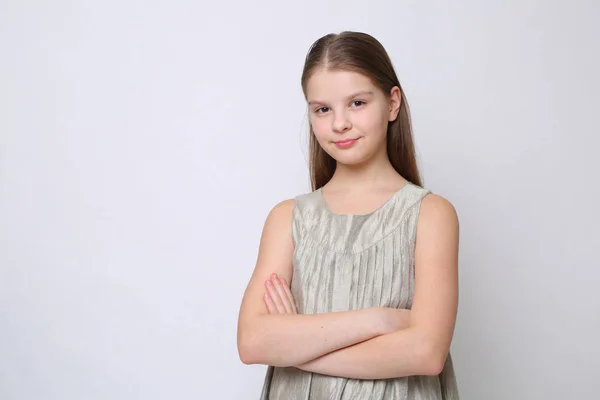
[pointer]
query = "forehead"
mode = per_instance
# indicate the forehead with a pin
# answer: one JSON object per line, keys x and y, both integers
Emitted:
{"x": 325, "y": 85}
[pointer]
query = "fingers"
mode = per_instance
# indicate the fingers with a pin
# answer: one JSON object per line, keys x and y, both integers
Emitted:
{"x": 274, "y": 295}
{"x": 289, "y": 295}
{"x": 279, "y": 298}
{"x": 270, "y": 305}
{"x": 278, "y": 285}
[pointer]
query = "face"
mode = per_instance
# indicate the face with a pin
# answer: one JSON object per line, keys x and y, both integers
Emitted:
{"x": 349, "y": 115}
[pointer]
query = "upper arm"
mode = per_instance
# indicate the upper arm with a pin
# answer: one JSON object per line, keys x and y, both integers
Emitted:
{"x": 435, "y": 301}
{"x": 274, "y": 256}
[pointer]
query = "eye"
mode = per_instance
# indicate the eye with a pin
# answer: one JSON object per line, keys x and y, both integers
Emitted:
{"x": 321, "y": 110}
{"x": 358, "y": 103}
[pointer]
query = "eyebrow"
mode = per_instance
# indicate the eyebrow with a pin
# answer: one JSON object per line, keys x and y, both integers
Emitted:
{"x": 360, "y": 93}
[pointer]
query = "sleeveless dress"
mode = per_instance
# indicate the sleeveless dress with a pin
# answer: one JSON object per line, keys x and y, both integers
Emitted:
{"x": 347, "y": 262}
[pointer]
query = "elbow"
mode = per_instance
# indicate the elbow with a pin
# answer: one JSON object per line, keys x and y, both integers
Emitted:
{"x": 433, "y": 360}
{"x": 247, "y": 358}
{"x": 245, "y": 346}
{"x": 251, "y": 354}
{"x": 247, "y": 351}
{"x": 253, "y": 347}
{"x": 433, "y": 367}
{"x": 251, "y": 350}
{"x": 245, "y": 355}
{"x": 248, "y": 343}
{"x": 430, "y": 356}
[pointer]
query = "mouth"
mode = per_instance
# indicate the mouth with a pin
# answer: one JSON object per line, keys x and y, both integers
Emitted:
{"x": 346, "y": 143}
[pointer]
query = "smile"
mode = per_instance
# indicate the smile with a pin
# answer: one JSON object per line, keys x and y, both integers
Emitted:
{"x": 346, "y": 143}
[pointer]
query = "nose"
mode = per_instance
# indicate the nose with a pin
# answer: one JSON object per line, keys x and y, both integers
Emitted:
{"x": 341, "y": 123}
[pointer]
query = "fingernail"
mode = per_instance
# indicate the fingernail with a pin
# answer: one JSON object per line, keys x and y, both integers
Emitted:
{"x": 268, "y": 283}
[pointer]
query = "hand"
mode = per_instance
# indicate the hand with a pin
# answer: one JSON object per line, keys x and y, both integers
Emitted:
{"x": 278, "y": 298}
{"x": 394, "y": 319}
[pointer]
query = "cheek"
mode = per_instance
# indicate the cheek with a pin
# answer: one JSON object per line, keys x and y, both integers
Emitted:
{"x": 320, "y": 127}
{"x": 372, "y": 123}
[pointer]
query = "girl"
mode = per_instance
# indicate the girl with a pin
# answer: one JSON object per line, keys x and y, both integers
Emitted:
{"x": 355, "y": 290}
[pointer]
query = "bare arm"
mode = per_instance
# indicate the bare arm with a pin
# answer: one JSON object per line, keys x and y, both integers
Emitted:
{"x": 421, "y": 348}
{"x": 291, "y": 339}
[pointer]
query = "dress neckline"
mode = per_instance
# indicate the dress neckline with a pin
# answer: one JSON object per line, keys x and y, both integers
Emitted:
{"x": 376, "y": 210}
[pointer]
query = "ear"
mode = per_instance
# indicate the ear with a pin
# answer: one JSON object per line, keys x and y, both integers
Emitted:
{"x": 395, "y": 102}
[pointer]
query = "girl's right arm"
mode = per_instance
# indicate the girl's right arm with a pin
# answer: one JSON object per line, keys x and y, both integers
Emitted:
{"x": 291, "y": 339}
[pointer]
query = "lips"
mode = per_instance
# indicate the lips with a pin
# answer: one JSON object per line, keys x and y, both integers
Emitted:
{"x": 346, "y": 141}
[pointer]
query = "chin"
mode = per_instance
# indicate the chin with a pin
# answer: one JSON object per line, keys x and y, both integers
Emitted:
{"x": 349, "y": 159}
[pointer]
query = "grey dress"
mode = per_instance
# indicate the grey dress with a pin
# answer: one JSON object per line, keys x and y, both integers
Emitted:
{"x": 347, "y": 262}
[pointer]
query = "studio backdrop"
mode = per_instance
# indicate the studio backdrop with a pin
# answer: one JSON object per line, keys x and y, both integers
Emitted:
{"x": 142, "y": 145}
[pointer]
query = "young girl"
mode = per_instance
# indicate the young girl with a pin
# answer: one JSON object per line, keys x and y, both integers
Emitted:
{"x": 355, "y": 290}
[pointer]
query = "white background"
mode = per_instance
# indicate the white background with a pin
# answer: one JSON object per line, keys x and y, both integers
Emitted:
{"x": 142, "y": 145}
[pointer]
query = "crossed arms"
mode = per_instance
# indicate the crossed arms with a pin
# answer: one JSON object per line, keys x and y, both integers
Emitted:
{"x": 370, "y": 343}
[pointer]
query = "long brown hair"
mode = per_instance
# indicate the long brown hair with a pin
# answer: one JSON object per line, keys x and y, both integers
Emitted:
{"x": 362, "y": 53}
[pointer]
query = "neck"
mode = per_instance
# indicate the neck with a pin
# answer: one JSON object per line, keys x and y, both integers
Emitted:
{"x": 375, "y": 173}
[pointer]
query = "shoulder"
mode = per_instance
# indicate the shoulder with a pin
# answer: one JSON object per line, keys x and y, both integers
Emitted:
{"x": 284, "y": 210}
{"x": 281, "y": 213}
{"x": 436, "y": 206}
{"x": 288, "y": 215}
{"x": 437, "y": 215}
{"x": 278, "y": 225}
{"x": 284, "y": 206}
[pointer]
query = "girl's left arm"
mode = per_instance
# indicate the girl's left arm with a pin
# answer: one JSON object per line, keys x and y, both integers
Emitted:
{"x": 421, "y": 348}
